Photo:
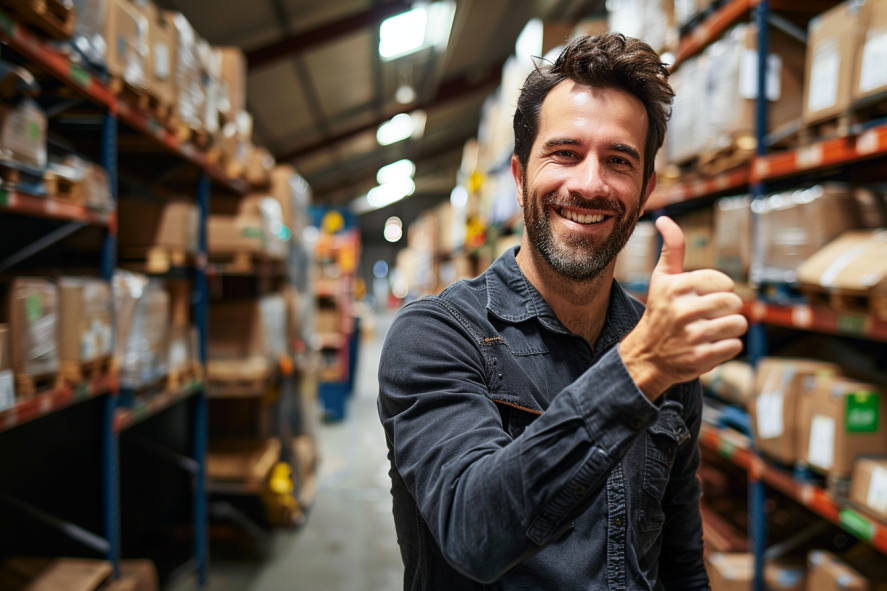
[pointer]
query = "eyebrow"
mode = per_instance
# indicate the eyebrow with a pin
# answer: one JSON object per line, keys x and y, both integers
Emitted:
{"x": 623, "y": 148}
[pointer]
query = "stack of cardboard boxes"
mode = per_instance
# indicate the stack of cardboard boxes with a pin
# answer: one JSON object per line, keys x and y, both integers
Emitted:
{"x": 823, "y": 572}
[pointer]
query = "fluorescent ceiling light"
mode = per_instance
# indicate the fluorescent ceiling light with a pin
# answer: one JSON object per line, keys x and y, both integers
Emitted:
{"x": 396, "y": 170}
{"x": 459, "y": 196}
{"x": 425, "y": 26}
{"x": 403, "y": 34}
{"x": 391, "y": 192}
{"x": 393, "y": 232}
{"x": 401, "y": 127}
{"x": 405, "y": 94}
{"x": 529, "y": 42}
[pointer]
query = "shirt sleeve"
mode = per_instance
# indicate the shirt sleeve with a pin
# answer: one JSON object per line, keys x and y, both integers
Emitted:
{"x": 491, "y": 501}
{"x": 681, "y": 565}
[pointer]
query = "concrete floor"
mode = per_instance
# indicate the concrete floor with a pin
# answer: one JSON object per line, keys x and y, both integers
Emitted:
{"x": 349, "y": 542}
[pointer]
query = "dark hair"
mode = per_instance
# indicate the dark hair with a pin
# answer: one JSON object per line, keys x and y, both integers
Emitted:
{"x": 604, "y": 61}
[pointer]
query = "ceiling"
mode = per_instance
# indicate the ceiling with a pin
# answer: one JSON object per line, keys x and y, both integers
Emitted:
{"x": 318, "y": 89}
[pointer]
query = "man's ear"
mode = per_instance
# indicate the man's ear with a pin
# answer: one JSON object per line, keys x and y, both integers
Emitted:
{"x": 651, "y": 186}
{"x": 518, "y": 174}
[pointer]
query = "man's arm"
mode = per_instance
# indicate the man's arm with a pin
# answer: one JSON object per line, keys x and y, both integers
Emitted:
{"x": 681, "y": 567}
{"x": 490, "y": 501}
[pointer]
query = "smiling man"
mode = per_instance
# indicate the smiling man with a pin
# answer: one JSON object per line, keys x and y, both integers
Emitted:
{"x": 542, "y": 425}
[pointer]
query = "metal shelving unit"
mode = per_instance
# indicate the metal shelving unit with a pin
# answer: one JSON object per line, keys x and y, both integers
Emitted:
{"x": 97, "y": 400}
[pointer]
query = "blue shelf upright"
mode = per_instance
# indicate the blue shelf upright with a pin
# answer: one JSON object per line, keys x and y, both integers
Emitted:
{"x": 201, "y": 405}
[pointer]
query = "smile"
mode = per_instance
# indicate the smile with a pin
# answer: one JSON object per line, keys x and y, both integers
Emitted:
{"x": 580, "y": 218}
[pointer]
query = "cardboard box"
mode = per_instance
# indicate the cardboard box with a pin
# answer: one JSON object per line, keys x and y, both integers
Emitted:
{"x": 785, "y": 576}
{"x": 32, "y": 314}
{"x": 233, "y": 81}
{"x": 825, "y": 572}
{"x": 853, "y": 264}
{"x": 870, "y": 40}
{"x": 89, "y": 29}
{"x": 636, "y": 261}
{"x": 732, "y": 381}
{"x": 247, "y": 462}
{"x": 146, "y": 349}
{"x": 242, "y": 329}
{"x": 685, "y": 136}
{"x": 698, "y": 227}
{"x": 795, "y": 224}
{"x": 190, "y": 102}
{"x": 258, "y": 166}
{"x": 733, "y": 237}
{"x": 831, "y": 53}
{"x": 774, "y": 407}
{"x": 869, "y": 486}
{"x": 328, "y": 321}
{"x": 161, "y": 57}
{"x": 86, "y": 323}
{"x": 227, "y": 234}
{"x": 736, "y": 571}
{"x": 23, "y": 133}
{"x": 840, "y": 420}
{"x": 126, "y": 39}
{"x": 275, "y": 235}
{"x": 147, "y": 224}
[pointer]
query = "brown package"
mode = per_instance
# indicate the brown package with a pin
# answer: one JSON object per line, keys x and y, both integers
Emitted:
{"x": 869, "y": 486}
{"x": 733, "y": 237}
{"x": 227, "y": 234}
{"x": 840, "y": 420}
{"x": 32, "y": 314}
{"x": 85, "y": 321}
{"x": 869, "y": 68}
{"x": 23, "y": 133}
{"x": 831, "y": 50}
{"x": 698, "y": 230}
{"x": 774, "y": 407}
{"x": 126, "y": 38}
{"x": 161, "y": 59}
{"x": 258, "y": 166}
{"x": 233, "y": 76}
{"x": 145, "y": 224}
{"x": 826, "y": 572}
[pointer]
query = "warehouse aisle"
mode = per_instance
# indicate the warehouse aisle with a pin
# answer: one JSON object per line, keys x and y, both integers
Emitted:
{"x": 348, "y": 543}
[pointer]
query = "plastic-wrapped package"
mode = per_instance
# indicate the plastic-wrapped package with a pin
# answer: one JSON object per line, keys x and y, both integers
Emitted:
{"x": 86, "y": 328}
{"x": 142, "y": 308}
{"x": 685, "y": 137}
{"x": 126, "y": 36}
{"x": 191, "y": 98}
{"x": 635, "y": 263}
{"x": 33, "y": 319}
{"x": 793, "y": 225}
{"x": 733, "y": 236}
{"x": 274, "y": 321}
{"x": 89, "y": 29}
{"x": 90, "y": 184}
{"x": 23, "y": 133}
{"x": 161, "y": 58}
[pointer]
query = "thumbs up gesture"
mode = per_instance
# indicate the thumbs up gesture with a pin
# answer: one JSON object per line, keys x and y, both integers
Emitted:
{"x": 692, "y": 322}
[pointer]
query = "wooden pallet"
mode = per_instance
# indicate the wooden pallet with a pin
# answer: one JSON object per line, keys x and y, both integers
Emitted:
{"x": 246, "y": 263}
{"x": 157, "y": 259}
{"x": 28, "y": 385}
{"x": 713, "y": 162}
{"x": 74, "y": 373}
{"x": 52, "y": 18}
{"x": 844, "y": 124}
{"x": 184, "y": 374}
{"x": 844, "y": 300}
{"x": 149, "y": 103}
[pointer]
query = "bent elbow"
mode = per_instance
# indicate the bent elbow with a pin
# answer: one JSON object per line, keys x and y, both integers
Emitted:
{"x": 478, "y": 562}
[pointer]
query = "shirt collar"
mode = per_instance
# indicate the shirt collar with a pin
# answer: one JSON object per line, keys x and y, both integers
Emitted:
{"x": 512, "y": 298}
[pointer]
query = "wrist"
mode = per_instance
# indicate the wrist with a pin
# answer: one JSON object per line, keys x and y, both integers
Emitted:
{"x": 645, "y": 374}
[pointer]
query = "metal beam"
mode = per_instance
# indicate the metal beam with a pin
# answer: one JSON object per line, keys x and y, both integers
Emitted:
{"x": 450, "y": 90}
{"x": 292, "y": 44}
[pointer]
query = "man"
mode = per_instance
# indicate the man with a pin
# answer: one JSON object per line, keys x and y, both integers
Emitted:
{"x": 542, "y": 426}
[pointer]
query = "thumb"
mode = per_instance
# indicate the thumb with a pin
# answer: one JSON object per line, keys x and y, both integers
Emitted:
{"x": 671, "y": 261}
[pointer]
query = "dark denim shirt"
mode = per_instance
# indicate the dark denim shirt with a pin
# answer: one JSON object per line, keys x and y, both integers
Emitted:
{"x": 521, "y": 458}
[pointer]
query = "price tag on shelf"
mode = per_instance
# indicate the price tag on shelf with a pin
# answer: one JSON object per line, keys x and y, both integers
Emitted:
{"x": 868, "y": 142}
{"x": 809, "y": 157}
{"x": 762, "y": 167}
{"x": 856, "y": 524}
{"x": 802, "y": 316}
{"x": 7, "y": 390}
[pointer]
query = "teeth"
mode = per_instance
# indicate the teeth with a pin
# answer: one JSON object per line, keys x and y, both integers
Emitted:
{"x": 580, "y": 218}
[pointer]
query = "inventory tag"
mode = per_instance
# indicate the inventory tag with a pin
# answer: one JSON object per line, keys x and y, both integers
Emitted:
{"x": 873, "y": 74}
{"x": 770, "y": 408}
{"x": 877, "y": 496}
{"x": 34, "y": 307}
{"x": 821, "y": 449}
{"x": 862, "y": 412}
{"x": 7, "y": 390}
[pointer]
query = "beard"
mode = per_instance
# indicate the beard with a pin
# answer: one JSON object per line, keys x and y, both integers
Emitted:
{"x": 573, "y": 255}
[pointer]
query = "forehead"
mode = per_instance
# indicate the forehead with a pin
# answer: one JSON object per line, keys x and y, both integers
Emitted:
{"x": 587, "y": 112}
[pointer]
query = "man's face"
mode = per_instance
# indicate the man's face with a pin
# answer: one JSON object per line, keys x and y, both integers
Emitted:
{"x": 583, "y": 188}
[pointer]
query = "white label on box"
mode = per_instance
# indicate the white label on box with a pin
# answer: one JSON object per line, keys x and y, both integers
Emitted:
{"x": 809, "y": 157}
{"x": 824, "y": 73}
{"x": 877, "y": 497}
{"x": 821, "y": 451}
{"x": 7, "y": 389}
{"x": 770, "y": 414}
{"x": 748, "y": 76}
{"x": 161, "y": 61}
{"x": 873, "y": 73}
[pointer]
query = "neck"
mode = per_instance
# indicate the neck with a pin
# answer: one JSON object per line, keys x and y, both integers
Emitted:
{"x": 580, "y": 305}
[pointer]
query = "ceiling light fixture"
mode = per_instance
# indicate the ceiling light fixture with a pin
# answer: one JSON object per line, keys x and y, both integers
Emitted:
{"x": 396, "y": 170}
{"x": 405, "y": 94}
{"x": 427, "y": 25}
{"x": 401, "y": 127}
{"x": 459, "y": 196}
{"x": 393, "y": 229}
{"x": 391, "y": 192}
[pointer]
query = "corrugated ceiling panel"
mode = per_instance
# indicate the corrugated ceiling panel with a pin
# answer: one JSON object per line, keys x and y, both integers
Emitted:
{"x": 276, "y": 97}
{"x": 310, "y": 14}
{"x": 225, "y": 22}
{"x": 343, "y": 73}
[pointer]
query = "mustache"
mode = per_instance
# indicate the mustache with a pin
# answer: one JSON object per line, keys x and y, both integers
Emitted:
{"x": 611, "y": 206}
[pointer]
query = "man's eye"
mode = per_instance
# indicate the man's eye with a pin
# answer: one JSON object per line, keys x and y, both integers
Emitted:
{"x": 620, "y": 161}
{"x": 565, "y": 154}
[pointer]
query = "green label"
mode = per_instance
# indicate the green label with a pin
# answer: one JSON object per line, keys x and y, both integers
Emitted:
{"x": 862, "y": 412}
{"x": 851, "y": 324}
{"x": 7, "y": 25}
{"x": 35, "y": 130}
{"x": 4, "y": 198}
{"x": 81, "y": 392}
{"x": 34, "y": 307}
{"x": 726, "y": 448}
{"x": 79, "y": 75}
{"x": 857, "y": 524}
{"x": 253, "y": 232}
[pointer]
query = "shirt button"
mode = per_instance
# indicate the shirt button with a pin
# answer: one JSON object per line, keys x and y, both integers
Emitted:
{"x": 618, "y": 521}
{"x": 636, "y": 424}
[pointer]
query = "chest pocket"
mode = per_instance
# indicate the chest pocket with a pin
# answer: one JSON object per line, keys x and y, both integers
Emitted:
{"x": 662, "y": 442}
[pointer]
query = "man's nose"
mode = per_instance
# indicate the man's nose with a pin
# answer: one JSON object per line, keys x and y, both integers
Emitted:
{"x": 589, "y": 179}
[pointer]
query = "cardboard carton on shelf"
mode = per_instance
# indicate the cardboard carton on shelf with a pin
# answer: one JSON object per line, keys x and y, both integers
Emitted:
{"x": 732, "y": 381}
{"x": 698, "y": 227}
{"x": 826, "y": 572}
{"x": 733, "y": 237}
{"x": 171, "y": 226}
{"x": 635, "y": 262}
{"x": 80, "y": 181}
{"x": 144, "y": 306}
{"x": 245, "y": 463}
{"x": 32, "y": 311}
{"x": 869, "y": 486}
{"x": 736, "y": 571}
{"x": 258, "y": 166}
{"x": 275, "y": 232}
{"x": 227, "y": 234}
{"x": 839, "y": 421}
{"x": 831, "y": 52}
{"x": 246, "y": 337}
{"x": 86, "y": 324}
{"x": 869, "y": 71}
{"x": 126, "y": 39}
{"x": 161, "y": 57}
{"x": 685, "y": 136}
{"x": 853, "y": 268}
{"x": 23, "y": 130}
{"x": 793, "y": 225}
{"x": 89, "y": 30}
{"x": 232, "y": 65}
{"x": 779, "y": 383}
{"x": 190, "y": 102}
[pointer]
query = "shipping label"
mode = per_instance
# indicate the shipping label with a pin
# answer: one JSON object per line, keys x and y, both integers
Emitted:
{"x": 821, "y": 449}
{"x": 862, "y": 412}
